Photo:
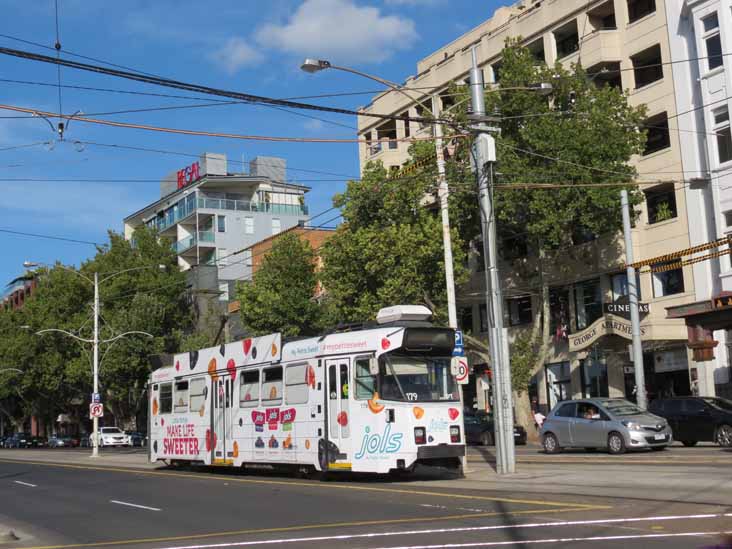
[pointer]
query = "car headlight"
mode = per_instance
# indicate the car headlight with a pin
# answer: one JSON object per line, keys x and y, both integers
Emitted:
{"x": 632, "y": 426}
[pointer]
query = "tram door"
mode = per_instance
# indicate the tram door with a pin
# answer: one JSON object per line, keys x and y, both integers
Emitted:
{"x": 339, "y": 413}
{"x": 220, "y": 433}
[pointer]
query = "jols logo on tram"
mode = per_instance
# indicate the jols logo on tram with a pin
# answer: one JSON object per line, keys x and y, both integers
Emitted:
{"x": 373, "y": 445}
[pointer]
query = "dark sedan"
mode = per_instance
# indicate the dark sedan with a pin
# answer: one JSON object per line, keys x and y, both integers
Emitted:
{"x": 18, "y": 440}
{"x": 479, "y": 429}
{"x": 695, "y": 419}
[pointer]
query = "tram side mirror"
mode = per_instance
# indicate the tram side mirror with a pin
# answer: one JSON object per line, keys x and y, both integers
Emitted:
{"x": 374, "y": 366}
{"x": 455, "y": 365}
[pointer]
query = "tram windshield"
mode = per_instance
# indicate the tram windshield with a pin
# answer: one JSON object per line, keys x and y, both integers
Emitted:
{"x": 416, "y": 379}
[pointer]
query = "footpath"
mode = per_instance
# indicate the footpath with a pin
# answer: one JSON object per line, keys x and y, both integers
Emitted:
{"x": 705, "y": 481}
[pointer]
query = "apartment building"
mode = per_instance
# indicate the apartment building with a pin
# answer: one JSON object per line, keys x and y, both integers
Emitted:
{"x": 209, "y": 212}
{"x": 17, "y": 291}
{"x": 624, "y": 43}
{"x": 700, "y": 31}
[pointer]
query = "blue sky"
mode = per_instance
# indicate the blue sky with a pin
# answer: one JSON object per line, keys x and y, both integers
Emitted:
{"x": 248, "y": 46}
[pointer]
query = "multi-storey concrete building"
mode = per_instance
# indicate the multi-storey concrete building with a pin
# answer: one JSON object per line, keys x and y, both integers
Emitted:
{"x": 209, "y": 213}
{"x": 700, "y": 32}
{"x": 623, "y": 43}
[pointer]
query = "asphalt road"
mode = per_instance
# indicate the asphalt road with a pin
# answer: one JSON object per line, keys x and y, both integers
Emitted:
{"x": 72, "y": 505}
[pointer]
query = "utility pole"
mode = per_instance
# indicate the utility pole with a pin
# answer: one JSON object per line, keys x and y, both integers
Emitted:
{"x": 484, "y": 150}
{"x": 443, "y": 194}
{"x": 95, "y": 344}
{"x": 640, "y": 380}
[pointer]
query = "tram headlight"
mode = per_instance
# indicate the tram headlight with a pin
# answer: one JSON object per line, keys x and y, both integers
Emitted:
{"x": 454, "y": 433}
{"x": 420, "y": 435}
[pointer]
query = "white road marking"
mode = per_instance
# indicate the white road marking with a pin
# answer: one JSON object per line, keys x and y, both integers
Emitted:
{"x": 134, "y": 505}
{"x": 559, "y": 540}
{"x": 475, "y": 529}
{"x": 25, "y": 483}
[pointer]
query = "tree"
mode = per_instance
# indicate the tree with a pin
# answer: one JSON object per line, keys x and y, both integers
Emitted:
{"x": 582, "y": 137}
{"x": 280, "y": 296}
{"x": 389, "y": 249}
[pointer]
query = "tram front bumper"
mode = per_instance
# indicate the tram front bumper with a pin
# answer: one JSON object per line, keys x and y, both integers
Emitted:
{"x": 440, "y": 451}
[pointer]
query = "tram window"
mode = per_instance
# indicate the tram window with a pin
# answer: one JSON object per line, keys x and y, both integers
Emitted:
{"x": 166, "y": 398}
{"x": 365, "y": 382}
{"x": 272, "y": 386}
{"x": 197, "y": 394}
{"x": 181, "y": 397}
{"x": 297, "y": 391}
{"x": 249, "y": 389}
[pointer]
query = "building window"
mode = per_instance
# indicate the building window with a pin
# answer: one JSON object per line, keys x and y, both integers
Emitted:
{"x": 276, "y": 226}
{"x": 567, "y": 39}
{"x": 603, "y": 17}
{"x": 669, "y": 279}
{"x": 559, "y": 311}
{"x": 647, "y": 66}
{"x": 223, "y": 291}
{"x": 606, "y": 74}
{"x": 712, "y": 41}
{"x": 466, "y": 319}
{"x": 248, "y": 225}
{"x": 537, "y": 51}
{"x": 222, "y": 257}
{"x": 657, "y": 135}
{"x": 588, "y": 302}
{"x": 638, "y": 9}
{"x": 221, "y": 223}
{"x": 724, "y": 137}
{"x": 620, "y": 285}
{"x": 519, "y": 310}
{"x": 728, "y": 218}
{"x": 593, "y": 374}
{"x": 661, "y": 203}
{"x": 496, "y": 72}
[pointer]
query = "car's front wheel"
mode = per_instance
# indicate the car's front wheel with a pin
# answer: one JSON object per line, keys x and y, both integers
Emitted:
{"x": 551, "y": 444}
{"x": 615, "y": 444}
{"x": 724, "y": 435}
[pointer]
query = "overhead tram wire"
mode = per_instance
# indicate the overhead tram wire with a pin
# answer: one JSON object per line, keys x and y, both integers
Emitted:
{"x": 50, "y": 237}
{"x": 164, "y": 82}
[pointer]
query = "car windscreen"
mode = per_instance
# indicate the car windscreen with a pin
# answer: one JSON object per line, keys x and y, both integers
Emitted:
{"x": 111, "y": 431}
{"x": 622, "y": 408}
{"x": 719, "y": 403}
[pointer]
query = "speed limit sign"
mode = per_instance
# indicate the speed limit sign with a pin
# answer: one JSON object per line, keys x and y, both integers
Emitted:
{"x": 461, "y": 370}
{"x": 96, "y": 409}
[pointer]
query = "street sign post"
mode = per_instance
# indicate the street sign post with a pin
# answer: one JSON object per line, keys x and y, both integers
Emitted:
{"x": 96, "y": 409}
{"x": 96, "y": 398}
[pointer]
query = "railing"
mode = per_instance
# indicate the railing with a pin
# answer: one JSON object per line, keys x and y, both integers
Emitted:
{"x": 188, "y": 243}
{"x": 247, "y": 206}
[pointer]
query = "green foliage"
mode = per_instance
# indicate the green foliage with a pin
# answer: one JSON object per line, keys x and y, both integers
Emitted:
{"x": 389, "y": 249}
{"x": 280, "y": 296}
{"x": 522, "y": 361}
{"x": 58, "y": 369}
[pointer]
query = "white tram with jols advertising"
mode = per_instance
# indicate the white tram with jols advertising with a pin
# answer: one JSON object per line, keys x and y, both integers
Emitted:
{"x": 374, "y": 399}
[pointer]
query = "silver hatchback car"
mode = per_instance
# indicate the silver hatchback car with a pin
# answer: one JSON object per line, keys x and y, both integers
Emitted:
{"x": 609, "y": 423}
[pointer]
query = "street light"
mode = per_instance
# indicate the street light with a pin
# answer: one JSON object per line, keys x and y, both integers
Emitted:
{"x": 95, "y": 340}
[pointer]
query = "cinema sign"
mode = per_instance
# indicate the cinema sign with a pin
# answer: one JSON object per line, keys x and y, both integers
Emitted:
{"x": 606, "y": 325}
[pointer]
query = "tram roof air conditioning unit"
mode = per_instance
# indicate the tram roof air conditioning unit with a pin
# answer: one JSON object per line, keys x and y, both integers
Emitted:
{"x": 403, "y": 312}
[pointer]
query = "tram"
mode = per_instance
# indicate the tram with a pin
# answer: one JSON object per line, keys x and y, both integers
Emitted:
{"x": 375, "y": 398}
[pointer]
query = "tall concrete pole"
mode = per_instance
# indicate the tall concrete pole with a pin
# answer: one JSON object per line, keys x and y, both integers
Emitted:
{"x": 484, "y": 150}
{"x": 95, "y": 343}
{"x": 443, "y": 193}
{"x": 640, "y": 379}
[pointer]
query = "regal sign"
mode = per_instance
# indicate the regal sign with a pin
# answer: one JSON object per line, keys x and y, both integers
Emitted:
{"x": 189, "y": 174}
{"x": 606, "y": 325}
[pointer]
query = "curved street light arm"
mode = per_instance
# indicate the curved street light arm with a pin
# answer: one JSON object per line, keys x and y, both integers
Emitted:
{"x": 112, "y": 275}
{"x": 11, "y": 370}
{"x": 31, "y": 264}
{"x": 115, "y": 338}
{"x": 65, "y": 332}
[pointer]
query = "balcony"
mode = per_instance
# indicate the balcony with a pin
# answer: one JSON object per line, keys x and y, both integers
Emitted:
{"x": 187, "y": 243}
{"x": 600, "y": 47}
{"x": 246, "y": 206}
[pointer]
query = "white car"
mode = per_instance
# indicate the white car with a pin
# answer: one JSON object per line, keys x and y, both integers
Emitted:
{"x": 113, "y": 436}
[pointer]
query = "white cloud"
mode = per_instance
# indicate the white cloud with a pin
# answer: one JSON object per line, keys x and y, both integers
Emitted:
{"x": 313, "y": 125}
{"x": 341, "y": 31}
{"x": 235, "y": 54}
